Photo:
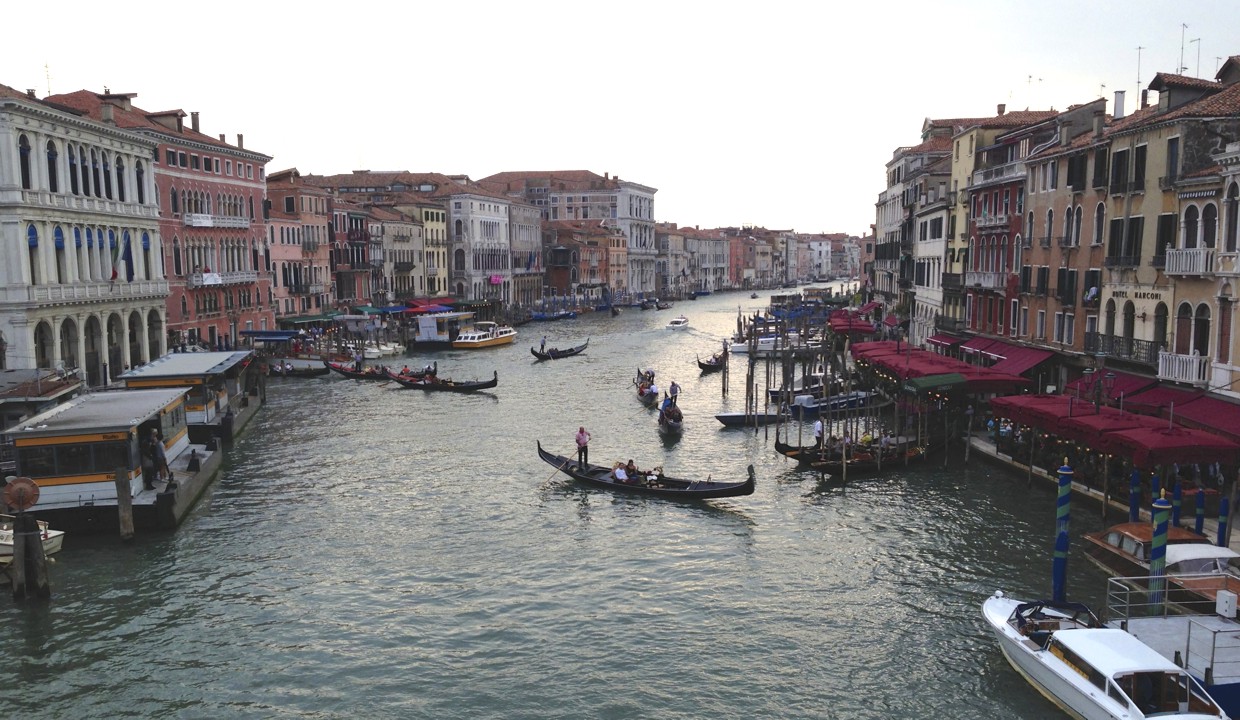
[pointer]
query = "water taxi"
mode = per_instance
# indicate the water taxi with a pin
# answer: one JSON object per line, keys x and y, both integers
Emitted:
{"x": 485, "y": 334}
{"x": 52, "y": 539}
{"x": 678, "y": 323}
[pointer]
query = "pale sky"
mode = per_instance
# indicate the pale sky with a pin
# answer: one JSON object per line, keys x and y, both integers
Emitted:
{"x": 778, "y": 114}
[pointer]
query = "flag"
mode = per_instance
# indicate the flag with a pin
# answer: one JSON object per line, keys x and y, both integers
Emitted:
{"x": 116, "y": 257}
{"x": 127, "y": 256}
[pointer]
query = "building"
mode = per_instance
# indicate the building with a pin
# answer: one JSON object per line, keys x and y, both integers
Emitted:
{"x": 298, "y": 247}
{"x": 82, "y": 285}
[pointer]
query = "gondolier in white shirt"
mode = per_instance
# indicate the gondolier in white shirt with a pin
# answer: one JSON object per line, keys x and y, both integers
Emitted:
{"x": 583, "y": 448}
{"x": 818, "y": 434}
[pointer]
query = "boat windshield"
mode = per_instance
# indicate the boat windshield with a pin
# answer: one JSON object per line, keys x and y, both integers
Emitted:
{"x": 1157, "y": 692}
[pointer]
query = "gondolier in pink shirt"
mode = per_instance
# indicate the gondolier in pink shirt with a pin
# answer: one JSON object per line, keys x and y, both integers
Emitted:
{"x": 583, "y": 448}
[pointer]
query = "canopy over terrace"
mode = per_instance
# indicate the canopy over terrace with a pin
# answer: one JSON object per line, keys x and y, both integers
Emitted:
{"x": 905, "y": 362}
{"x": 1162, "y": 446}
{"x": 1126, "y": 384}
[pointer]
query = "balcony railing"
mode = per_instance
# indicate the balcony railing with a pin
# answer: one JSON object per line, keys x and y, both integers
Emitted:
{"x": 1192, "y": 261}
{"x": 1131, "y": 349}
{"x": 403, "y": 266}
{"x": 1192, "y": 369}
{"x": 988, "y": 280}
{"x": 78, "y": 292}
{"x": 220, "y": 221}
{"x": 953, "y": 281}
{"x": 1003, "y": 172}
{"x": 1044, "y": 241}
{"x": 946, "y": 323}
{"x": 1066, "y": 241}
{"x": 90, "y": 204}
{"x": 993, "y": 221}
{"x": 235, "y": 277}
{"x": 1121, "y": 261}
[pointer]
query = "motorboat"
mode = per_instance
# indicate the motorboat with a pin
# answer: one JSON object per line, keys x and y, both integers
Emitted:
{"x": 678, "y": 323}
{"x": 485, "y": 334}
{"x": 1124, "y": 549}
{"x": 804, "y": 406}
{"x": 740, "y": 419}
{"x": 811, "y": 384}
{"x": 52, "y": 539}
{"x": 1091, "y": 671}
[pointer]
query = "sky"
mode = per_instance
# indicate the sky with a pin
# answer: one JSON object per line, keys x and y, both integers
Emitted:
{"x": 774, "y": 114}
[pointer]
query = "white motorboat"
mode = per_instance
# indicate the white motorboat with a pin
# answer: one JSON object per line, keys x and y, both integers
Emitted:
{"x": 1091, "y": 671}
{"x": 52, "y": 539}
{"x": 678, "y": 323}
{"x": 485, "y": 334}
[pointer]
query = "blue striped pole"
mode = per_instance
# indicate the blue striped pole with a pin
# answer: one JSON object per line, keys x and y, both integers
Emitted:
{"x": 1134, "y": 496}
{"x": 1158, "y": 552}
{"x": 1223, "y": 507}
{"x": 1059, "y": 569}
{"x": 1177, "y": 500}
{"x": 1063, "y": 502}
{"x": 1201, "y": 511}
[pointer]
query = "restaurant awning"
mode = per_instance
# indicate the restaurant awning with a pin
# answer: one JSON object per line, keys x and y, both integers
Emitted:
{"x": 1126, "y": 385}
{"x": 979, "y": 343}
{"x": 1160, "y": 400}
{"x": 945, "y": 340}
{"x": 1038, "y": 410}
{"x": 1162, "y": 446}
{"x": 1212, "y": 414}
{"x": 300, "y": 319}
{"x": 1020, "y": 359}
{"x": 869, "y": 307}
{"x": 934, "y": 383}
{"x": 1090, "y": 429}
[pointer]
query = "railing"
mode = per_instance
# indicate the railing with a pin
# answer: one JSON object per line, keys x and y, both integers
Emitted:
{"x": 990, "y": 280}
{"x": 953, "y": 281}
{"x": 1167, "y": 182}
{"x": 1045, "y": 241}
{"x": 1066, "y": 241}
{"x": 309, "y": 247}
{"x": 42, "y": 198}
{"x": 946, "y": 323}
{"x": 1191, "y": 261}
{"x": 1010, "y": 170}
{"x": 1158, "y": 261}
{"x": 235, "y": 277}
{"x": 306, "y": 289}
{"x": 403, "y": 266}
{"x": 460, "y": 274}
{"x": 1066, "y": 297}
{"x": 1192, "y": 369}
{"x": 993, "y": 221}
{"x": 1121, "y": 261}
{"x": 220, "y": 221}
{"x": 1131, "y": 349}
{"x": 84, "y": 291}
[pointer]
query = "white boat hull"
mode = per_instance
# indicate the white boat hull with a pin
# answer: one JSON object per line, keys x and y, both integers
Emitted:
{"x": 52, "y": 539}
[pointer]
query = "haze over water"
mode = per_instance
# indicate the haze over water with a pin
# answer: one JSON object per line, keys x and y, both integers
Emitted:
{"x": 384, "y": 553}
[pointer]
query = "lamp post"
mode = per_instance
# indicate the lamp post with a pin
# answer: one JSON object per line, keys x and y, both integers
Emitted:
{"x": 1103, "y": 384}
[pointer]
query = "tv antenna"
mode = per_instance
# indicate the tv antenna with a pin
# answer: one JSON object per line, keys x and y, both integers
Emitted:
{"x": 1183, "y": 67}
{"x": 1198, "y": 41}
{"x": 1139, "y": 49}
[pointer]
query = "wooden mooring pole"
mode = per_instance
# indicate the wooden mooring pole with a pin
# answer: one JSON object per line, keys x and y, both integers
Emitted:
{"x": 124, "y": 503}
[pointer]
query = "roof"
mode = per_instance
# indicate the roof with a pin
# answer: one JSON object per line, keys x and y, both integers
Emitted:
{"x": 1113, "y": 651}
{"x": 1197, "y": 551}
{"x": 98, "y": 412}
{"x": 195, "y": 364}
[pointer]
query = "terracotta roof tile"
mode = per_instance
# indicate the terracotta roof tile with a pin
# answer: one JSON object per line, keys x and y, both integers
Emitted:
{"x": 1164, "y": 81}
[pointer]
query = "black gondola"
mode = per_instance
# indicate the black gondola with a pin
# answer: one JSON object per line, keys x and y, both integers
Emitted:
{"x": 556, "y": 353}
{"x": 861, "y": 460}
{"x": 646, "y": 389}
{"x": 671, "y": 420}
{"x": 661, "y": 486}
{"x": 276, "y": 370}
{"x": 370, "y": 373}
{"x": 431, "y": 383}
{"x": 712, "y": 364}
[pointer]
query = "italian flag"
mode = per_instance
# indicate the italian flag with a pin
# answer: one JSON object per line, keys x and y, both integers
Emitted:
{"x": 116, "y": 258}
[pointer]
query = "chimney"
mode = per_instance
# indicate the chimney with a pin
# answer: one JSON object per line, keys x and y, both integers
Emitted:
{"x": 240, "y": 141}
{"x": 1002, "y": 108}
{"x": 1118, "y": 111}
{"x": 193, "y": 120}
{"x": 1145, "y": 98}
{"x": 1065, "y": 133}
{"x": 105, "y": 114}
{"x": 30, "y": 94}
{"x": 221, "y": 137}
{"x": 1099, "y": 123}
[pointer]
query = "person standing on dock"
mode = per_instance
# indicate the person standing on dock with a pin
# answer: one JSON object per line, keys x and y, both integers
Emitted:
{"x": 818, "y": 434}
{"x": 583, "y": 448}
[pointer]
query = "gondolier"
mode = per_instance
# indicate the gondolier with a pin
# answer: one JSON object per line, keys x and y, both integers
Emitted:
{"x": 583, "y": 447}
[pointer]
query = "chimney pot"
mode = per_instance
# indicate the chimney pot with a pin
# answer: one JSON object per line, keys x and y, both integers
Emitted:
{"x": 105, "y": 113}
{"x": 1065, "y": 133}
{"x": 1002, "y": 108}
{"x": 1145, "y": 98}
{"x": 1118, "y": 112}
{"x": 193, "y": 120}
{"x": 221, "y": 137}
{"x": 240, "y": 141}
{"x": 30, "y": 93}
{"x": 1099, "y": 123}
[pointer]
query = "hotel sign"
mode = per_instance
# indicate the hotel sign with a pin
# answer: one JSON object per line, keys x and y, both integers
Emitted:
{"x": 1138, "y": 295}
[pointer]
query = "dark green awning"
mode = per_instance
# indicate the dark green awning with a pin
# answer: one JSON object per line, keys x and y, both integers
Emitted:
{"x": 934, "y": 383}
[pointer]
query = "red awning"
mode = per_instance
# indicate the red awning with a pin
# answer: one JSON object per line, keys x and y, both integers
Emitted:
{"x": 1163, "y": 446}
{"x": 1020, "y": 359}
{"x": 979, "y": 343}
{"x": 868, "y": 307}
{"x": 1161, "y": 400}
{"x": 891, "y": 321}
{"x": 1038, "y": 410}
{"x": 944, "y": 340}
{"x": 1212, "y": 414}
{"x": 998, "y": 350}
{"x": 1092, "y": 429}
{"x": 1126, "y": 385}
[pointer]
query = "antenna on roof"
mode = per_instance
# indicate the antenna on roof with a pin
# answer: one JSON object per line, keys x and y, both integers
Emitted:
{"x": 1139, "y": 49}
{"x": 1198, "y": 41}
{"x": 47, "y": 73}
{"x": 1183, "y": 67}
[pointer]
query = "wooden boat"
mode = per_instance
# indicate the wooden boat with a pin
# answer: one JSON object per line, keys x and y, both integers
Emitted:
{"x": 741, "y": 419}
{"x": 484, "y": 335}
{"x": 810, "y": 406}
{"x": 369, "y": 373}
{"x": 52, "y": 539}
{"x": 662, "y": 305}
{"x": 712, "y": 364}
{"x": 1091, "y": 671}
{"x": 556, "y": 353}
{"x": 647, "y": 391}
{"x": 432, "y": 383}
{"x": 276, "y": 370}
{"x": 860, "y": 459}
{"x": 654, "y": 483}
{"x": 556, "y": 315}
{"x": 408, "y": 374}
{"x": 1124, "y": 550}
{"x": 671, "y": 420}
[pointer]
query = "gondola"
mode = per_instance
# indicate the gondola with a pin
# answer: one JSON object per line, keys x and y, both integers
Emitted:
{"x": 647, "y": 392}
{"x": 712, "y": 364}
{"x": 556, "y": 353}
{"x": 661, "y": 485}
{"x": 861, "y": 460}
{"x": 436, "y": 384}
{"x": 370, "y": 373}
{"x": 276, "y": 370}
{"x": 740, "y": 419}
{"x": 671, "y": 420}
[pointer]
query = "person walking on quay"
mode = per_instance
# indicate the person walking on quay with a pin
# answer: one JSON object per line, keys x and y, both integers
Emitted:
{"x": 583, "y": 448}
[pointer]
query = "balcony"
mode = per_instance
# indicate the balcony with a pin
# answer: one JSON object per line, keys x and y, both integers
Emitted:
{"x": 1144, "y": 352}
{"x": 202, "y": 220}
{"x": 1010, "y": 171}
{"x": 1167, "y": 182}
{"x": 1193, "y": 261}
{"x": 946, "y": 323}
{"x": 84, "y": 291}
{"x": 305, "y": 289}
{"x": 1044, "y": 241}
{"x": 987, "y": 222}
{"x": 236, "y": 277}
{"x": 1123, "y": 261}
{"x": 1066, "y": 297}
{"x": 1193, "y": 369}
{"x": 403, "y": 266}
{"x": 43, "y": 198}
{"x": 953, "y": 282}
{"x": 986, "y": 280}
{"x": 309, "y": 247}
{"x": 1066, "y": 241}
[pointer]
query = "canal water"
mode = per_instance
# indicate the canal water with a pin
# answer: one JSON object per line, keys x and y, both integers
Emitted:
{"x": 377, "y": 552}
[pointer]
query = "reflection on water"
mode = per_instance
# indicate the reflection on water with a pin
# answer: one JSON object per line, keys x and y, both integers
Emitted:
{"x": 372, "y": 551}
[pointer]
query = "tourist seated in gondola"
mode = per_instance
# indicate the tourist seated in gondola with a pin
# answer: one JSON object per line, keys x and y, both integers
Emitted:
{"x": 619, "y": 473}
{"x": 631, "y": 471}
{"x": 405, "y": 370}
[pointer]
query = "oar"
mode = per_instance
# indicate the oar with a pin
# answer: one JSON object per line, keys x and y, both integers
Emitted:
{"x": 558, "y": 469}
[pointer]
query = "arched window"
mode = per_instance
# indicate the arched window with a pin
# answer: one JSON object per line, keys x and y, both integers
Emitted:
{"x": 120, "y": 178}
{"x": 1160, "y": 326}
{"x": 74, "y": 187}
{"x": 1100, "y": 219}
{"x": 84, "y": 169}
{"x": 32, "y": 255}
{"x": 174, "y": 201}
{"x": 1190, "y": 226}
{"x": 1224, "y": 324}
{"x": 1077, "y": 215}
{"x": 1209, "y": 225}
{"x": 140, "y": 173}
{"x": 53, "y": 177}
{"x": 1183, "y": 329}
{"x": 23, "y": 152}
{"x": 1050, "y": 225}
{"x": 1201, "y": 330}
{"x": 176, "y": 257}
{"x": 1067, "y": 226}
{"x": 1110, "y": 318}
{"x": 95, "y": 182}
